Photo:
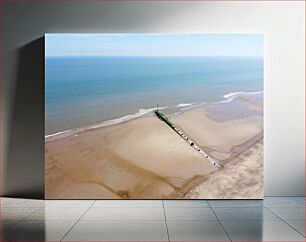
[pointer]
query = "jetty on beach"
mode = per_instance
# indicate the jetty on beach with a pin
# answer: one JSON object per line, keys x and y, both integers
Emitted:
{"x": 186, "y": 138}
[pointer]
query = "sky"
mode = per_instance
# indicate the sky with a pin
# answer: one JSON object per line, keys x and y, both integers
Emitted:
{"x": 154, "y": 44}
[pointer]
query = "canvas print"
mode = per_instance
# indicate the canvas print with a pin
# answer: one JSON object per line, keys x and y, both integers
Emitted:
{"x": 154, "y": 116}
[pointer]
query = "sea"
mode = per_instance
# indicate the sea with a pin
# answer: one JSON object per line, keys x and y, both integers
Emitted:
{"x": 88, "y": 92}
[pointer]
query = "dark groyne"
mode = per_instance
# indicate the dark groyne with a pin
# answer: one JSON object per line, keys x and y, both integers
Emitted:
{"x": 186, "y": 138}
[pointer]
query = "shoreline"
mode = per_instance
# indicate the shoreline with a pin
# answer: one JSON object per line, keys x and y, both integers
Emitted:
{"x": 229, "y": 97}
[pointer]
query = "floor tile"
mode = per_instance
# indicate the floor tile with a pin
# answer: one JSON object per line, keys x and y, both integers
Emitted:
{"x": 185, "y": 203}
{"x": 16, "y": 213}
{"x": 140, "y": 220}
{"x": 298, "y": 225}
{"x": 244, "y": 214}
{"x": 281, "y": 202}
{"x": 57, "y": 214}
{"x": 124, "y": 214}
{"x": 7, "y": 227}
{"x": 196, "y": 231}
{"x": 189, "y": 214}
{"x": 21, "y": 203}
{"x": 128, "y": 203}
{"x": 39, "y": 230}
{"x": 289, "y": 213}
{"x": 118, "y": 231}
{"x": 260, "y": 231}
{"x": 69, "y": 203}
{"x": 4, "y": 224}
{"x": 235, "y": 203}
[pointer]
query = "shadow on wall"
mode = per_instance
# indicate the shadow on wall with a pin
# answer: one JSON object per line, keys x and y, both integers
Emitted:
{"x": 25, "y": 153}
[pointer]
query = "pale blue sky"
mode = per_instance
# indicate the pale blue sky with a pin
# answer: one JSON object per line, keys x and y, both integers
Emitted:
{"x": 154, "y": 45}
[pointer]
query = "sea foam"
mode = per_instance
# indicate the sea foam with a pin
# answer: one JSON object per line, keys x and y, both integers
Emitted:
{"x": 141, "y": 112}
{"x": 184, "y": 105}
{"x": 232, "y": 95}
{"x": 58, "y": 133}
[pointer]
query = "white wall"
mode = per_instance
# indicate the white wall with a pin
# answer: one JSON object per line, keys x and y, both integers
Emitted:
{"x": 283, "y": 24}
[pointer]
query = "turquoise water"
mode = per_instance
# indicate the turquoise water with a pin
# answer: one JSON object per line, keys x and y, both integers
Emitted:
{"x": 85, "y": 91}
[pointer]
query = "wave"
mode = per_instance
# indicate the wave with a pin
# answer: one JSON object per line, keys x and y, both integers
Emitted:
{"x": 141, "y": 112}
{"x": 194, "y": 105}
{"x": 232, "y": 95}
{"x": 184, "y": 104}
{"x": 58, "y": 133}
{"x": 128, "y": 117}
{"x": 228, "y": 98}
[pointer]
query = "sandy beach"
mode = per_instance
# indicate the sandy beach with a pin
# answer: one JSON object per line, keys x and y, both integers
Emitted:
{"x": 240, "y": 178}
{"x": 145, "y": 159}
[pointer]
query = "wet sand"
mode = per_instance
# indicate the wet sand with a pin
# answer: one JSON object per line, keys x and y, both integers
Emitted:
{"x": 144, "y": 158}
{"x": 222, "y": 140}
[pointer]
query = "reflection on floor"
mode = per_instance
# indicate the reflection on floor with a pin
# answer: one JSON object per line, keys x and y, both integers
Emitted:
{"x": 274, "y": 219}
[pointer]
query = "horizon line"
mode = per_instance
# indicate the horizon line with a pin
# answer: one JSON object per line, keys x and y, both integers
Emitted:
{"x": 154, "y": 56}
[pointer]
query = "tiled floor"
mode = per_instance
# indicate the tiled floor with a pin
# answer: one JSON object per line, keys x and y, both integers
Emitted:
{"x": 274, "y": 219}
